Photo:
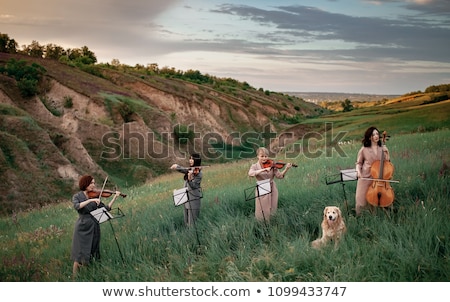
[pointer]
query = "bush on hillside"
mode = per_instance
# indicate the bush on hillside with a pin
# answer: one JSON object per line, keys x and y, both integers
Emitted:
{"x": 27, "y": 76}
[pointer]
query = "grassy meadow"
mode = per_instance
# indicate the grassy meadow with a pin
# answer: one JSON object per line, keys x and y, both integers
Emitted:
{"x": 410, "y": 243}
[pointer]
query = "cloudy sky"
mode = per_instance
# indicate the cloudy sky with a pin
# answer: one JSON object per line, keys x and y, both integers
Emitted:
{"x": 352, "y": 46}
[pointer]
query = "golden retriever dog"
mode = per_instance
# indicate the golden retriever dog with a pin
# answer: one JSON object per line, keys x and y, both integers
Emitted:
{"x": 333, "y": 227}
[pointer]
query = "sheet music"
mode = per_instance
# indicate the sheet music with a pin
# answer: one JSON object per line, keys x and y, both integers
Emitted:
{"x": 180, "y": 196}
{"x": 101, "y": 214}
{"x": 349, "y": 174}
{"x": 263, "y": 187}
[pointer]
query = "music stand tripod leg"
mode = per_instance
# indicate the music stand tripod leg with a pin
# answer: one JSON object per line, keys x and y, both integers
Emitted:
{"x": 117, "y": 242}
{"x": 345, "y": 198}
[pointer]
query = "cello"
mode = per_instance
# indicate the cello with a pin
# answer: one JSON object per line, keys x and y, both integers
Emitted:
{"x": 380, "y": 192}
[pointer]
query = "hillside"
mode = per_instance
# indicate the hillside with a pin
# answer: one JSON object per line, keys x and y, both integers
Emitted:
{"x": 124, "y": 124}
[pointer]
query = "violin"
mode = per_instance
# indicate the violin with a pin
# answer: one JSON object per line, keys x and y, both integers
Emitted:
{"x": 275, "y": 164}
{"x": 380, "y": 192}
{"x": 194, "y": 169}
{"x": 105, "y": 193}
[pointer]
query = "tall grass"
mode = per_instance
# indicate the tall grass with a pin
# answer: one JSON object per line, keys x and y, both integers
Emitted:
{"x": 408, "y": 243}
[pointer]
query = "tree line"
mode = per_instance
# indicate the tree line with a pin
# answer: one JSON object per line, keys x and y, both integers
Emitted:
{"x": 49, "y": 51}
{"x": 84, "y": 57}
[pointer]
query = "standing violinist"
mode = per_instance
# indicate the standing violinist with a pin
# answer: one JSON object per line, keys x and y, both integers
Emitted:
{"x": 369, "y": 153}
{"x": 86, "y": 235}
{"x": 266, "y": 205}
{"x": 192, "y": 181}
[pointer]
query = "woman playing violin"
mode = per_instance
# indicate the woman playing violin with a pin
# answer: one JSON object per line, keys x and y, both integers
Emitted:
{"x": 266, "y": 205}
{"x": 369, "y": 153}
{"x": 86, "y": 235}
{"x": 192, "y": 180}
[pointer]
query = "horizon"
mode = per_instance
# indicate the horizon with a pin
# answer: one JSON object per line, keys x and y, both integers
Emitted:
{"x": 358, "y": 93}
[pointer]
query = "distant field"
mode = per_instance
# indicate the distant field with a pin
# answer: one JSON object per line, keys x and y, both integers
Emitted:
{"x": 318, "y": 97}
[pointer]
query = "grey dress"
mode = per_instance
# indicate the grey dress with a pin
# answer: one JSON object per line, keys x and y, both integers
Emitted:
{"x": 86, "y": 235}
{"x": 192, "y": 207}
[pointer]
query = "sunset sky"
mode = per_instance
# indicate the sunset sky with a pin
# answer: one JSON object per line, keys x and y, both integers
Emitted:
{"x": 374, "y": 47}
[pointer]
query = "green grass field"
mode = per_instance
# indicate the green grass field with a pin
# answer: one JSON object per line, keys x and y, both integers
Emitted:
{"x": 410, "y": 243}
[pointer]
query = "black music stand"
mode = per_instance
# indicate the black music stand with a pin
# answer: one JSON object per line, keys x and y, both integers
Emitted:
{"x": 102, "y": 215}
{"x": 180, "y": 197}
{"x": 342, "y": 177}
{"x": 262, "y": 187}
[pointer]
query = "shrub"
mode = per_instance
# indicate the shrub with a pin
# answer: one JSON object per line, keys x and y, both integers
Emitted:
{"x": 183, "y": 134}
{"x": 68, "y": 101}
{"x": 27, "y": 87}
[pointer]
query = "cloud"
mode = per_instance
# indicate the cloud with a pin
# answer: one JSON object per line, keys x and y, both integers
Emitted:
{"x": 355, "y": 36}
{"x": 395, "y": 45}
{"x": 108, "y": 27}
{"x": 434, "y": 7}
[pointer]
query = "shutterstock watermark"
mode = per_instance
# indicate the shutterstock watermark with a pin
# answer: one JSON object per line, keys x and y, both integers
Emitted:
{"x": 129, "y": 144}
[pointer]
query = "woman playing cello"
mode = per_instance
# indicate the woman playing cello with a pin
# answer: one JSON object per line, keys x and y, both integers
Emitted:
{"x": 370, "y": 152}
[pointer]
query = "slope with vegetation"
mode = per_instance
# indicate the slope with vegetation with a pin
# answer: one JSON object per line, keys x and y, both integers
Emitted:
{"x": 63, "y": 115}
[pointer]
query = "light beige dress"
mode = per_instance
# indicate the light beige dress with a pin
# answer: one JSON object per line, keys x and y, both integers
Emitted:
{"x": 366, "y": 157}
{"x": 266, "y": 205}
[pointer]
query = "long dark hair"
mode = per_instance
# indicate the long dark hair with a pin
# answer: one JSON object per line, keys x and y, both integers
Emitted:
{"x": 197, "y": 159}
{"x": 197, "y": 163}
{"x": 367, "y": 142}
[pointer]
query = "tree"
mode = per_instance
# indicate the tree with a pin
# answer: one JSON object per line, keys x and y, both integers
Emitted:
{"x": 88, "y": 55}
{"x": 54, "y": 52}
{"x": 12, "y": 45}
{"x": 34, "y": 49}
{"x": 7, "y": 45}
{"x": 115, "y": 62}
{"x": 81, "y": 55}
{"x": 347, "y": 105}
{"x": 4, "y": 38}
{"x": 153, "y": 68}
{"x": 73, "y": 54}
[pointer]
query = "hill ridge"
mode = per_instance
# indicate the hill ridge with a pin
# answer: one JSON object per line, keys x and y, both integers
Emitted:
{"x": 63, "y": 131}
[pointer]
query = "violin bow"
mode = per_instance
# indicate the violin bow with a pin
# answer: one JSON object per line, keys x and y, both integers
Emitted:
{"x": 199, "y": 167}
{"x": 385, "y": 180}
{"x": 193, "y": 167}
{"x": 103, "y": 187}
